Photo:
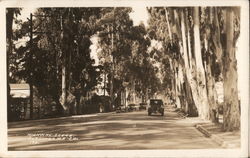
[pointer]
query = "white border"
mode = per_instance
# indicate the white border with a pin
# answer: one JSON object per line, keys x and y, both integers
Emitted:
{"x": 125, "y": 3}
{"x": 244, "y": 88}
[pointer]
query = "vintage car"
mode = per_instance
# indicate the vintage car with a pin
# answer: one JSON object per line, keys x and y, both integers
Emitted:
{"x": 133, "y": 107}
{"x": 156, "y": 106}
{"x": 121, "y": 108}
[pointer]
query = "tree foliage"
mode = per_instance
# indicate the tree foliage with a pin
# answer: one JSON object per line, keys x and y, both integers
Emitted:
{"x": 205, "y": 33}
{"x": 79, "y": 24}
{"x": 182, "y": 53}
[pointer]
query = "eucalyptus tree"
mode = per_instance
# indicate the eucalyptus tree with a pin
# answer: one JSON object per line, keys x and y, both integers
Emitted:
{"x": 200, "y": 72}
{"x": 220, "y": 30}
{"x": 208, "y": 19}
{"x": 159, "y": 30}
{"x": 231, "y": 108}
{"x": 11, "y": 14}
{"x": 165, "y": 26}
{"x": 205, "y": 41}
{"x": 141, "y": 65}
{"x": 126, "y": 47}
{"x": 179, "y": 29}
{"x": 61, "y": 53}
{"x": 115, "y": 44}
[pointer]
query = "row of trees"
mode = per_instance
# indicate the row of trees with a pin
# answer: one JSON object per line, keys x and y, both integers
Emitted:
{"x": 197, "y": 50}
{"x": 56, "y": 55}
{"x": 56, "y": 58}
{"x": 124, "y": 52}
{"x": 200, "y": 44}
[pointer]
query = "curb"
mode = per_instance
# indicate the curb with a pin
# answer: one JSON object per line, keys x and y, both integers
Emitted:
{"x": 207, "y": 134}
{"x": 215, "y": 138}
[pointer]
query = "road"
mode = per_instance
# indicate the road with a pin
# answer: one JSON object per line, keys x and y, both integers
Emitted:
{"x": 133, "y": 131}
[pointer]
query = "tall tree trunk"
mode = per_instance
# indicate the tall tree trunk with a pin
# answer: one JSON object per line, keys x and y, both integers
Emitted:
{"x": 210, "y": 80}
{"x": 189, "y": 49}
{"x": 9, "y": 32}
{"x": 213, "y": 109}
{"x": 64, "y": 85}
{"x": 181, "y": 89}
{"x": 112, "y": 71}
{"x": 78, "y": 91}
{"x": 169, "y": 30}
{"x": 191, "y": 109}
{"x": 173, "y": 83}
{"x": 203, "y": 107}
{"x": 173, "y": 87}
{"x": 63, "y": 99}
{"x": 192, "y": 71}
{"x": 174, "y": 66}
{"x": 177, "y": 84}
{"x": 217, "y": 39}
{"x": 104, "y": 83}
{"x": 31, "y": 68}
{"x": 231, "y": 112}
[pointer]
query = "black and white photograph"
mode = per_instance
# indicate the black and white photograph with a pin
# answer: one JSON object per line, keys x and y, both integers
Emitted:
{"x": 125, "y": 79}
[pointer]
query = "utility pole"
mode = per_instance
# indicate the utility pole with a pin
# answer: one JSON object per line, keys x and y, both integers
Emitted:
{"x": 112, "y": 62}
{"x": 31, "y": 81}
{"x": 104, "y": 83}
{"x": 31, "y": 67}
{"x": 64, "y": 73}
{"x": 112, "y": 69}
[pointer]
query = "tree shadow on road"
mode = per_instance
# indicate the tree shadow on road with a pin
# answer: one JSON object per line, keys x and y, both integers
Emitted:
{"x": 106, "y": 133}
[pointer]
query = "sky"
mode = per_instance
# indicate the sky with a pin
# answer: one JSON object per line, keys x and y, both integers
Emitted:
{"x": 25, "y": 13}
{"x": 139, "y": 14}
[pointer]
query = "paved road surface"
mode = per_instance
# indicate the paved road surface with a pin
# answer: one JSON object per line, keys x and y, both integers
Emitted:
{"x": 133, "y": 131}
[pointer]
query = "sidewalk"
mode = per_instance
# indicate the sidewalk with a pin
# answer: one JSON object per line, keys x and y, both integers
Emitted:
{"x": 213, "y": 131}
